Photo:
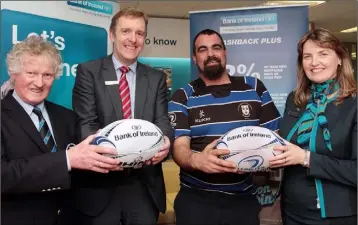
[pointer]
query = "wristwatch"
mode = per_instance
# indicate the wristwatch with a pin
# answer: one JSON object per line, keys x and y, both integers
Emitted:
{"x": 305, "y": 159}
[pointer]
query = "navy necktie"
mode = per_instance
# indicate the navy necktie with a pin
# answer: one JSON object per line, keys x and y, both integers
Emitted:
{"x": 45, "y": 131}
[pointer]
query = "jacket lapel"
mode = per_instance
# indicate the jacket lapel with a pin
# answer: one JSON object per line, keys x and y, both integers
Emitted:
{"x": 109, "y": 75}
{"x": 15, "y": 111}
{"x": 141, "y": 90}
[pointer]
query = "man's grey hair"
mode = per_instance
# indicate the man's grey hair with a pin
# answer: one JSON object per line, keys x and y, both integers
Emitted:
{"x": 33, "y": 46}
{"x": 5, "y": 88}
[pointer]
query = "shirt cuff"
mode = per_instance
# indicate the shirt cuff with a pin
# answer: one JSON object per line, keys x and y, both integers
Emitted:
{"x": 67, "y": 159}
{"x": 68, "y": 162}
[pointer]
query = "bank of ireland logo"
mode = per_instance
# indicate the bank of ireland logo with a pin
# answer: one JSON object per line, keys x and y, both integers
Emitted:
{"x": 136, "y": 127}
{"x": 248, "y": 129}
{"x": 245, "y": 109}
{"x": 252, "y": 162}
{"x": 96, "y": 6}
{"x": 172, "y": 118}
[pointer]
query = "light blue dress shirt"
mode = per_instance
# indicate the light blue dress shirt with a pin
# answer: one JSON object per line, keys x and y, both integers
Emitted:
{"x": 35, "y": 119}
{"x": 131, "y": 78}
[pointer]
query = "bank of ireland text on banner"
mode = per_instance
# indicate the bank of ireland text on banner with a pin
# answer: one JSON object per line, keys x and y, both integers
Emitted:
{"x": 261, "y": 42}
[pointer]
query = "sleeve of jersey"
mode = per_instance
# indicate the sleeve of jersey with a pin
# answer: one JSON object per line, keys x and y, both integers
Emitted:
{"x": 178, "y": 113}
{"x": 270, "y": 116}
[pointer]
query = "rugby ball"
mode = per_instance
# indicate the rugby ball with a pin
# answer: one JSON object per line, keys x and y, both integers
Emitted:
{"x": 135, "y": 140}
{"x": 250, "y": 147}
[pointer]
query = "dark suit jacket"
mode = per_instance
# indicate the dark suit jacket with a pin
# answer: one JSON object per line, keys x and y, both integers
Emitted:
{"x": 337, "y": 169}
{"x": 98, "y": 105}
{"x": 32, "y": 178}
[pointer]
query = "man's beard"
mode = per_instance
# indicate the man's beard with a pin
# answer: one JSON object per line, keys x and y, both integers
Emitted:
{"x": 213, "y": 72}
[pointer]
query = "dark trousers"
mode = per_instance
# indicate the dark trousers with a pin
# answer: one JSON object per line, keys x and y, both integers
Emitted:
{"x": 131, "y": 205}
{"x": 197, "y": 207}
{"x": 294, "y": 215}
{"x": 349, "y": 220}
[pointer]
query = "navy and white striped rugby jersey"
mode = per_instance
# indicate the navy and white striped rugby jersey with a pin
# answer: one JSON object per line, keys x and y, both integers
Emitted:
{"x": 206, "y": 113}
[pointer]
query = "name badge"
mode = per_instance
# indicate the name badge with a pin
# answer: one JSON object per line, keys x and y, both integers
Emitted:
{"x": 111, "y": 82}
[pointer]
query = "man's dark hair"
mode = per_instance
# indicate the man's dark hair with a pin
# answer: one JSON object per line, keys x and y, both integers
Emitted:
{"x": 207, "y": 32}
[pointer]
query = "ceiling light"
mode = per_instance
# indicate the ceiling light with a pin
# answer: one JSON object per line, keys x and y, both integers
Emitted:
{"x": 350, "y": 30}
{"x": 310, "y": 3}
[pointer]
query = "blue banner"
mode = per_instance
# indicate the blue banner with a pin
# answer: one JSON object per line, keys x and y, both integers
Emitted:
{"x": 65, "y": 35}
{"x": 78, "y": 29}
{"x": 260, "y": 42}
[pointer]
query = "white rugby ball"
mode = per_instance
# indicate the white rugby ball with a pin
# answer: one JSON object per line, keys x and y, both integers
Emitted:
{"x": 250, "y": 147}
{"x": 135, "y": 140}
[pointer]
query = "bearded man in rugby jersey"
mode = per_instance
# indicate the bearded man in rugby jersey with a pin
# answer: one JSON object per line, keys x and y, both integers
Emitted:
{"x": 212, "y": 190}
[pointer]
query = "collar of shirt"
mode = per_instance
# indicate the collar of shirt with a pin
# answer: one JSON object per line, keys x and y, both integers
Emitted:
{"x": 27, "y": 107}
{"x": 117, "y": 65}
{"x": 218, "y": 91}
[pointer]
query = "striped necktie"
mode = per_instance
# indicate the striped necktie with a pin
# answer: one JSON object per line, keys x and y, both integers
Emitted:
{"x": 45, "y": 131}
{"x": 124, "y": 93}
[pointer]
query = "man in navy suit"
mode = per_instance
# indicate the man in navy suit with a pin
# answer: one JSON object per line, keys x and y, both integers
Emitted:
{"x": 131, "y": 196}
{"x": 35, "y": 135}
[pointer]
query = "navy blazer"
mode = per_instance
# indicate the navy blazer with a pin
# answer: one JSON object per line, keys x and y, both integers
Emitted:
{"x": 32, "y": 178}
{"x": 337, "y": 169}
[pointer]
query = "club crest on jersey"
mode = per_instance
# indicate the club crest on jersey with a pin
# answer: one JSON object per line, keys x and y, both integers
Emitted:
{"x": 245, "y": 109}
{"x": 172, "y": 119}
{"x": 202, "y": 117}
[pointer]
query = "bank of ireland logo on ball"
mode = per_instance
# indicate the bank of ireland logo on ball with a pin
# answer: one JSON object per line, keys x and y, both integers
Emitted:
{"x": 250, "y": 147}
{"x": 135, "y": 140}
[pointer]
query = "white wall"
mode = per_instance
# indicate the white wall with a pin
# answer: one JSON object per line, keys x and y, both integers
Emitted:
{"x": 167, "y": 38}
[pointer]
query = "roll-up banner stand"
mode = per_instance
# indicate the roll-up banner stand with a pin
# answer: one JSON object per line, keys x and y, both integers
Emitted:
{"x": 79, "y": 29}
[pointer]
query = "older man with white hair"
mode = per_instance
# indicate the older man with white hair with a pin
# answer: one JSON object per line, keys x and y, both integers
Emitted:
{"x": 35, "y": 134}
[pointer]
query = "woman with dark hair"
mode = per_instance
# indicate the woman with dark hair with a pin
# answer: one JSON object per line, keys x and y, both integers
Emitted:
{"x": 320, "y": 126}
